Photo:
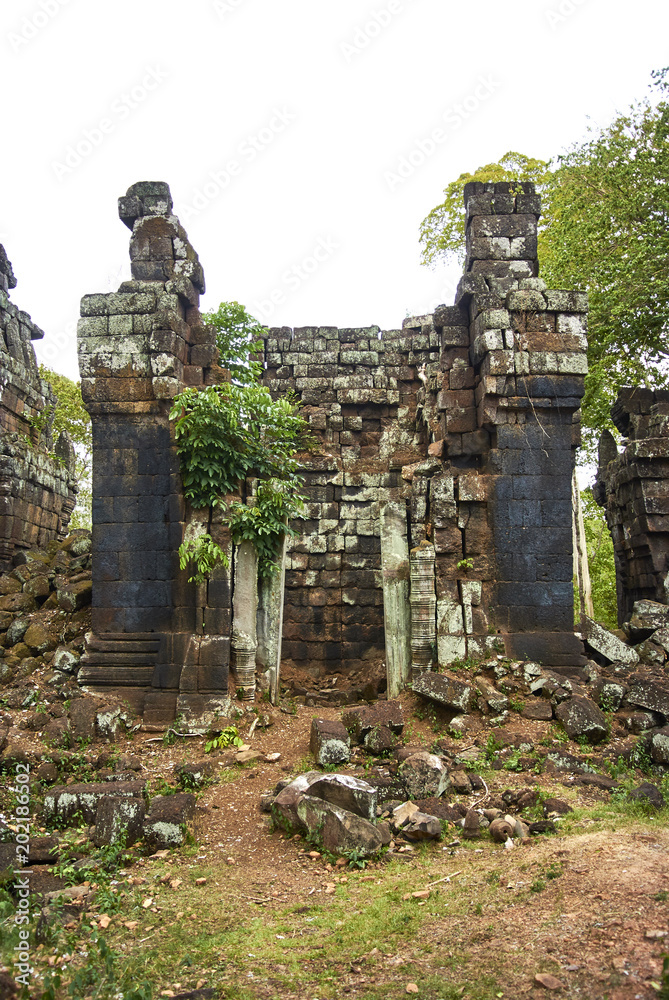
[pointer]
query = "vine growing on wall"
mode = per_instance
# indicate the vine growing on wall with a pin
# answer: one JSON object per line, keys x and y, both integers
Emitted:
{"x": 229, "y": 432}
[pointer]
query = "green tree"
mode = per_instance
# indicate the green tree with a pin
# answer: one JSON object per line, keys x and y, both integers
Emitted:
{"x": 442, "y": 232}
{"x": 239, "y": 340}
{"x": 600, "y": 562}
{"x": 70, "y": 415}
{"x": 607, "y": 214}
{"x": 604, "y": 229}
{"x": 234, "y": 430}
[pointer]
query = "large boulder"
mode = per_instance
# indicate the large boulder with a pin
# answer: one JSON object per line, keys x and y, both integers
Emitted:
{"x": 582, "y": 718}
{"x": 425, "y": 775}
{"x": 644, "y": 692}
{"x": 446, "y": 691}
{"x": 337, "y": 829}
{"x": 284, "y": 806}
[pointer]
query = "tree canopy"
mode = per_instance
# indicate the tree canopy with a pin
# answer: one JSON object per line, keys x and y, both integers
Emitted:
{"x": 227, "y": 432}
{"x": 70, "y": 415}
{"x": 605, "y": 229}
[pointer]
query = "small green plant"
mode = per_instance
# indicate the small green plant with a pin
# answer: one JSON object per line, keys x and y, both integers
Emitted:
{"x": 355, "y": 859}
{"x": 228, "y": 738}
{"x": 204, "y": 554}
{"x": 516, "y": 705}
{"x": 538, "y": 885}
{"x": 464, "y": 565}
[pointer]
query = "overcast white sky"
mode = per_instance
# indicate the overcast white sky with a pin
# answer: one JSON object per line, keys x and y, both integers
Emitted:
{"x": 280, "y": 126}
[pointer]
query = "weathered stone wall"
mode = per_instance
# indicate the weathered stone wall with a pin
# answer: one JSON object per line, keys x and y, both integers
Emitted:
{"x": 633, "y": 488}
{"x": 467, "y": 417}
{"x": 465, "y": 421}
{"x": 138, "y": 348}
{"x": 359, "y": 393}
{"x": 37, "y": 486}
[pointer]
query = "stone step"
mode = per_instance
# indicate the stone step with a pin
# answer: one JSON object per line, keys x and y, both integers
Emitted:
{"x": 115, "y": 676}
{"x": 116, "y": 646}
{"x": 110, "y": 659}
{"x": 127, "y": 637}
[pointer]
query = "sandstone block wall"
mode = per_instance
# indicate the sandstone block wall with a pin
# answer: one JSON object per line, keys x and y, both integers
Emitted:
{"x": 470, "y": 418}
{"x": 633, "y": 488}
{"x": 37, "y": 484}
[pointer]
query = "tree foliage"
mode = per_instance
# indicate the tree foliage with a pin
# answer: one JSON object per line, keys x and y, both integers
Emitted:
{"x": 600, "y": 562}
{"x": 228, "y": 432}
{"x": 238, "y": 338}
{"x": 442, "y": 232}
{"x": 607, "y": 212}
{"x": 605, "y": 229}
{"x": 70, "y": 415}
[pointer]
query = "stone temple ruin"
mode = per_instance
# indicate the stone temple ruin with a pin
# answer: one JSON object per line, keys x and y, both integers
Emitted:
{"x": 37, "y": 484}
{"x": 438, "y": 522}
{"x": 453, "y": 437}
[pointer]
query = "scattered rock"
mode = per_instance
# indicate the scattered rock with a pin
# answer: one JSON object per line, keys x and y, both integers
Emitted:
{"x": 380, "y": 740}
{"x": 445, "y": 691}
{"x": 65, "y": 660}
{"x": 460, "y": 783}
{"x": 581, "y": 717}
{"x": 168, "y": 820}
{"x": 556, "y": 807}
{"x": 539, "y": 709}
{"x": 648, "y": 794}
{"x": 471, "y": 828}
{"x": 647, "y": 693}
{"x": 193, "y": 775}
{"x": 329, "y": 742}
{"x": 119, "y": 820}
{"x": 361, "y": 720}
{"x": 420, "y": 826}
{"x": 425, "y": 775}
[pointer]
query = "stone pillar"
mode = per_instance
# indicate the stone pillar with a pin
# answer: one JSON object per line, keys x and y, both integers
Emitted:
{"x": 396, "y": 607}
{"x": 270, "y": 624}
{"x": 139, "y": 348}
{"x": 423, "y": 609}
{"x": 244, "y": 619}
{"x": 633, "y": 487}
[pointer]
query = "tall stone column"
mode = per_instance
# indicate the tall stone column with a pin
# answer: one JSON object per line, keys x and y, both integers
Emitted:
{"x": 138, "y": 348}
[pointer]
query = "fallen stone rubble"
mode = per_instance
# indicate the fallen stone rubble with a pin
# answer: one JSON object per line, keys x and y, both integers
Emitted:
{"x": 404, "y": 797}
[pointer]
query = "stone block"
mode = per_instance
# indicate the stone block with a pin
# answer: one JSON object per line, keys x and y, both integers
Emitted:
{"x": 168, "y": 821}
{"x": 360, "y": 721}
{"x": 329, "y": 742}
{"x": 118, "y": 820}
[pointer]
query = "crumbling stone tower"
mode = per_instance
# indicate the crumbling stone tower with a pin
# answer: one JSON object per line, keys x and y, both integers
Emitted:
{"x": 633, "y": 488}
{"x": 37, "y": 481}
{"x": 138, "y": 348}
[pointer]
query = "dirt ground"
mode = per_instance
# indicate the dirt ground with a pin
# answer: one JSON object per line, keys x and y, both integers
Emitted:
{"x": 598, "y": 925}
